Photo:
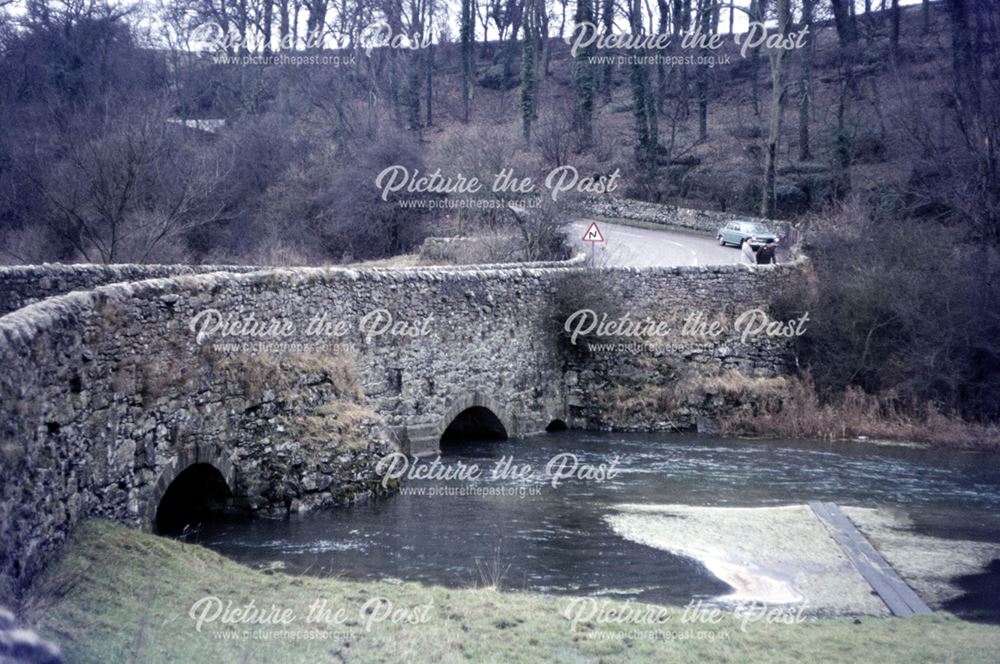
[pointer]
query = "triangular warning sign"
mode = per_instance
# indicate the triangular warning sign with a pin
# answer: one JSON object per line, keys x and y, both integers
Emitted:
{"x": 593, "y": 233}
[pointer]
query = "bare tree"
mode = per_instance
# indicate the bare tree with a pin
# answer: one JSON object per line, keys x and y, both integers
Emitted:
{"x": 805, "y": 82}
{"x": 128, "y": 193}
{"x": 776, "y": 57}
{"x": 554, "y": 138}
{"x": 467, "y": 35}
{"x": 846, "y": 31}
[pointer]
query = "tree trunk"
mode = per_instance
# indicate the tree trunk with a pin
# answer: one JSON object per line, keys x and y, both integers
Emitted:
{"x": 661, "y": 70}
{"x": 516, "y": 10}
{"x": 415, "y": 68}
{"x": 430, "y": 63}
{"x": 758, "y": 10}
{"x": 805, "y": 83}
{"x": 241, "y": 24}
{"x": 467, "y": 38}
{"x": 706, "y": 26}
{"x": 283, "y": 23}
{"x": 963, "y": 60}
{"x": 529, "y": 72}
{"x": 975, "y": 108}
{"x": 842, "y": 145}
{"x": 268, "y": 20}
{"x": 315, "y": 22}
{"x": 894, "y": 32}
{"x": 543, "y": 37}
{"x": 643, "y": 108}
{"x": 608, "y": 19}
{"x": 776, "y": 58}
{"x": 842, "y": 20}
{"x": 583, "y": 109}
{"x": 682, "y": 23}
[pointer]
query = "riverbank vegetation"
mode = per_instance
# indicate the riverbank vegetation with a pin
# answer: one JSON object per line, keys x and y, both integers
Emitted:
{"x": 798, "y": 412}
{"x": 118, "y": 595}
{"x": 901, "y": 339}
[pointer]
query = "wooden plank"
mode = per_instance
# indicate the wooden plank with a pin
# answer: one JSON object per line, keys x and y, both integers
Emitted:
{"x": 863, "y": 562}
{"x": 894, "y": 592}
{"x": 897, "y": 595}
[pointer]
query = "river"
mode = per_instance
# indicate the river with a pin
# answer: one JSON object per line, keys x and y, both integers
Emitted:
{"x": 522, "y": 532}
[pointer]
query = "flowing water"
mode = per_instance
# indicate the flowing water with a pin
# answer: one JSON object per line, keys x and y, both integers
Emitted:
{"x": 530, "y": 535}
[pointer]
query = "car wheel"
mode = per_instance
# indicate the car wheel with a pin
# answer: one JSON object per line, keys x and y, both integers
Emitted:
{"x": 722, "y": 242}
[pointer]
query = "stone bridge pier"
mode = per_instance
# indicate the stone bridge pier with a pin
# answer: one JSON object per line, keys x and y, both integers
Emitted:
{"x": 476, "y": 415}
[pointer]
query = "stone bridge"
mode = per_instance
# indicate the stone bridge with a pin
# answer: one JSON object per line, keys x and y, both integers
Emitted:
{"x": 112, "y": 406}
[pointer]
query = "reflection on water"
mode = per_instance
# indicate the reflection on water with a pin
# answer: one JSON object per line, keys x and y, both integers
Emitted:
{"x": 554, "y": 539}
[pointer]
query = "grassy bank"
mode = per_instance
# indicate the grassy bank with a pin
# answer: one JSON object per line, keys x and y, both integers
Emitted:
{"x": 121, "y": 596}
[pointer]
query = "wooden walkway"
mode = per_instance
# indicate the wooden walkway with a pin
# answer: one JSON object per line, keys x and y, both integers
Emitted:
{"x": 898, "y": 596}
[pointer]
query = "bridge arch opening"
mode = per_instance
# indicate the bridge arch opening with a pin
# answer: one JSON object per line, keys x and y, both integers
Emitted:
{"x": 556, "y": 425}
{"x": 195, "y": 495}
{"x": 474, "y": 423}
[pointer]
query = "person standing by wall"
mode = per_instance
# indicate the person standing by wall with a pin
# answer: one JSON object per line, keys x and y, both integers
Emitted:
{"x": 749, "y": 251}
{"x": 765, "y": 253}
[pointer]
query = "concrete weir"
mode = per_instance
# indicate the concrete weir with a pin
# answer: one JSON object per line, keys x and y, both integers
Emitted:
{"x": 898, "y": 597}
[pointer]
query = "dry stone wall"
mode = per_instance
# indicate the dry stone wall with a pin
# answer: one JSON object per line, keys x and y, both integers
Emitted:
{"x": 706, "y": 221}
{"x": 21, "y": 285}
{"x": 720, "y": 346}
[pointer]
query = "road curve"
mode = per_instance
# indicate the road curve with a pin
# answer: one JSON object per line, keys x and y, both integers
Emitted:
{"x": 631, "y": 246}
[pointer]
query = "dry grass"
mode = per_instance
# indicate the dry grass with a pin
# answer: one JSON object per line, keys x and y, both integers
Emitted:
{"x": 676, "y": 391}
{"x": 736, "y": 385}
{"x": 789, "y": 407}
{"x": 800, "y": 413}
{"x": 343, "y": 418}
{"x": 179, "y": 369}
{"x": 342, "y": 421}
{"x": 403, "y": 260}
{"x": 166, "y": 376}
{"x": 265, "y": 372}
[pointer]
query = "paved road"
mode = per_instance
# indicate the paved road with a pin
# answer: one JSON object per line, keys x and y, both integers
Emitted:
{"x": 640, "y": 247}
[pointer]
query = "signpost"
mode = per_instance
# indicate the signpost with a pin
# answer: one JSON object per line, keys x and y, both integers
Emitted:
{"x": 593, "y": 236}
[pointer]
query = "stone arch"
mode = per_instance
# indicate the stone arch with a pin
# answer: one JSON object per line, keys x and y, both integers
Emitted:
{"x": 210, "y": 455}
{"x": 475, "y": 400}
{"x": 557, "y": 424}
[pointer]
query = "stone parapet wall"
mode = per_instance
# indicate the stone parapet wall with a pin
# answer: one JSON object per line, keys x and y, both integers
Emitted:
{"x": 21, "y": 285}
{"x": 705, "y": 221}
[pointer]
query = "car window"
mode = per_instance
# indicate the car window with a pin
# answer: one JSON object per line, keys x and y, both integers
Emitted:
{"x": 760, "y": 228}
